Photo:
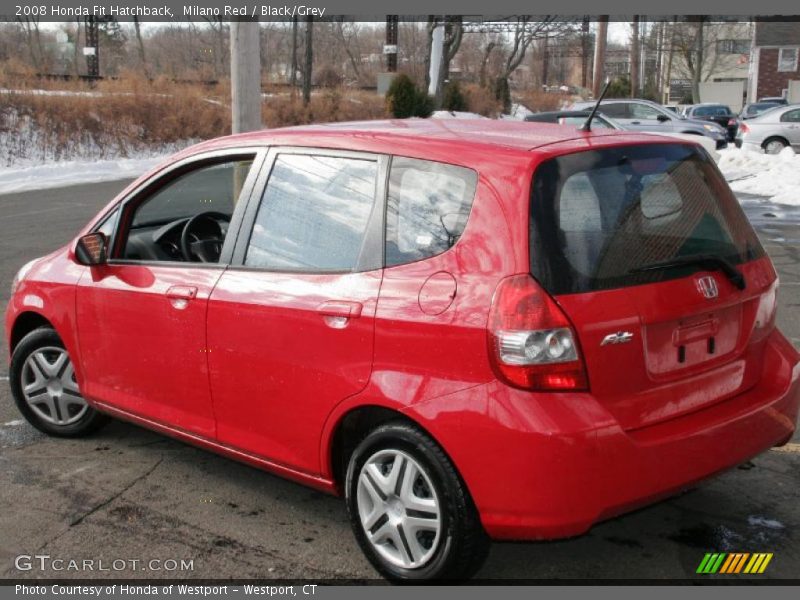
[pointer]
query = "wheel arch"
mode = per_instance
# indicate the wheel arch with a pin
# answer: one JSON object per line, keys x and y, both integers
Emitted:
{"x": 26, "y": 322}
{"x": 771, "y": 138}
{"x": 352, "y": 425}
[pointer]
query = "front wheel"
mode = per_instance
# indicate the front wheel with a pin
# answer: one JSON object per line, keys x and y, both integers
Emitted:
{"x": 411, "y": 513}
{"x": 45, "y": 389}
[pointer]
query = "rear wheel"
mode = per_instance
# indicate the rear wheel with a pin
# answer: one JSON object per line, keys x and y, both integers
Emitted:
{"x": 411, "y": 513}
{"x": 774, "y": 145}
{"x": 45, "y": 389}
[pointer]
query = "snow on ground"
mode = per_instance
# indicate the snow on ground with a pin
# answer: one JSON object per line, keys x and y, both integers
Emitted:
{"x": 776, "y": 177}
{"x": 455, "y": 114}
{"x": 58, "y": 174}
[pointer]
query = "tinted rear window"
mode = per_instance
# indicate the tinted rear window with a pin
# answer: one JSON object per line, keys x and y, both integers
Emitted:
{"x": 598, "y": 216}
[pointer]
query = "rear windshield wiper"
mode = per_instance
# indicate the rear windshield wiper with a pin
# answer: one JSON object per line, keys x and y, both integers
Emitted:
{"x": 710, "y": 262}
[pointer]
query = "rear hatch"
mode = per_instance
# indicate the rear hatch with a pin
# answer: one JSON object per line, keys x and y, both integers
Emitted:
{"x": 650, "y": 256}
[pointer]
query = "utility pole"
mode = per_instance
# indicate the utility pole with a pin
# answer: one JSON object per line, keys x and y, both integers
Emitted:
{"x": 584, "y": 51}
{"x": 545, "y": 59}
{"x": 391, "y": 43}
{"x": 437, "y": 48}
{"x": 245, "y": 76}
{"x": 634, "y": 57}
{"x": 92, "y": 48}
{"x": 599, "y": 55}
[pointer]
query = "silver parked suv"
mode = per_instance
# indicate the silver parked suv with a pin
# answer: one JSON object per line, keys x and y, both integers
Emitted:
{"x": 644, "y": 115}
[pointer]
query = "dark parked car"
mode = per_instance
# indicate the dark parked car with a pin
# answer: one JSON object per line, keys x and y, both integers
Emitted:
{"x": 756, "y": 108}
{"x": 776, "y": 99}
{"x": 719, "y": 113}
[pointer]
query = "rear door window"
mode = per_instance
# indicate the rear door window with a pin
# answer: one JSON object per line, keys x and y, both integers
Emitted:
{"x": 428, "y": 205}
{"x": 314, "y": 214}
{"x": 599, "y": 216}
{"x": 616, "y": 110}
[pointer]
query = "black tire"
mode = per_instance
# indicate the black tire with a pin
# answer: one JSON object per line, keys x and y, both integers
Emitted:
{"x": 44, "y": 337}
{"x": 774, "y": 138}
{"x": 463, "y": 544}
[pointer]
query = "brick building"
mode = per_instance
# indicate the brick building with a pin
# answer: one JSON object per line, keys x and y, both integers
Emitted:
{"x": 775, "y": 61}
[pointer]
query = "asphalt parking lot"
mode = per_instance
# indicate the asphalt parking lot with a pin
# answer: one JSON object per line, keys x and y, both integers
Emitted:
{"x": 132, "y": 496}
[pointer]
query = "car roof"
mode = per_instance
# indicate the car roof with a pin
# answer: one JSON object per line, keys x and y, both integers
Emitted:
{"x": 436, "y": 136}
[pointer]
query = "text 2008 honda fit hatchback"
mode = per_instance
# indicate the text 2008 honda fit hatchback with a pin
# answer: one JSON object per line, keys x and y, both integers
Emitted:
{"x": 472, "y": 330}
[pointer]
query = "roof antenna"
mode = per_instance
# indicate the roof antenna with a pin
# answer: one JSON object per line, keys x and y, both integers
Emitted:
{"x": 587, "y": 126}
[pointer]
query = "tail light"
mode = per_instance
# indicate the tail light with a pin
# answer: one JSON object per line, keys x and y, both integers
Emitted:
{"x": 531, "y": 342}
{"x": 767, "y": 307}
{"x": 731, "y": 122}
{"x": 743, "y": 128}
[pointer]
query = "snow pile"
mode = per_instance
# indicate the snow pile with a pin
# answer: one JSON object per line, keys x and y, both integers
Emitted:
{"x": 57, "y": 174}
{"x": 774, "y": 176}
{"x": 455, "y": 114}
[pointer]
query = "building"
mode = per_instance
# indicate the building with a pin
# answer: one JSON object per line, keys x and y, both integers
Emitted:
{"x": 775, "y": 68}
{"x": 726, "y": 57}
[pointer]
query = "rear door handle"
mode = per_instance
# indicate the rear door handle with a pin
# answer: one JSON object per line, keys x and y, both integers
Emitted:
{"x": 348, "y": 310}
{"x": 179, "y": 295}
{"x": 184, "y": 292}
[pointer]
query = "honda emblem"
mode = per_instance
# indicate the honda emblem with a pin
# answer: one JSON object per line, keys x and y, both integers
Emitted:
{"x": 708, "y": 287}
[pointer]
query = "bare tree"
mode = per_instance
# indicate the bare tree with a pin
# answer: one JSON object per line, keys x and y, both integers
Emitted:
{"x": 347, "y": 34}
{"x": 309, "y": 60}
{"x": 293, "y": 60}
{"x": 34, "y": 41}
{"x": 140, "y": 45}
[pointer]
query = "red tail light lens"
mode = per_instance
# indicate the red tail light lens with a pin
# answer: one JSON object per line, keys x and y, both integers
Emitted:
{"x": 731, "y": 122}
{"x": 531, "y": 342}
{"x": 743, "y": 128}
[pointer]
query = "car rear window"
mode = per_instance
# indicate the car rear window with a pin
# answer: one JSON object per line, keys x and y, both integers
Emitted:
{"x": 598, "y": 216}
{"x": 428, "y": 205}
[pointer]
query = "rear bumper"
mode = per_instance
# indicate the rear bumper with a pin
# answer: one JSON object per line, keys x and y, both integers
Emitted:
{"x": 544, "y": 467}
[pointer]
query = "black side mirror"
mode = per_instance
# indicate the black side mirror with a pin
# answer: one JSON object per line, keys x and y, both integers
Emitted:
{"x": 663, "y": 118}
{"x": 91, "y": 249}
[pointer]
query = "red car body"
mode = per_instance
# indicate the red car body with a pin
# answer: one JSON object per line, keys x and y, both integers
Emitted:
{"x": 250, "y": 368}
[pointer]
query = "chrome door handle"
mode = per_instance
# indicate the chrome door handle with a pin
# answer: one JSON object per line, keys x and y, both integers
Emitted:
{"x": 179, "y": 295}
{"x": 337, "y": 314}
{"x": 348, "y": 310}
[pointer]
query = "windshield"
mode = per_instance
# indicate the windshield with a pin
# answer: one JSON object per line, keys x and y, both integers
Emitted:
{"x": 598, "y": 217}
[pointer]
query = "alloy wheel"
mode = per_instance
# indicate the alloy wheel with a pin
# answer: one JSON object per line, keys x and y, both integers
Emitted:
{"x": 399, "y": 509}
{"x": 50, "y": 388}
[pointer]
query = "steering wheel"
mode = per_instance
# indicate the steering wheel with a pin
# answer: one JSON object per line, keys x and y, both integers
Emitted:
{"x": 208, "y": 249}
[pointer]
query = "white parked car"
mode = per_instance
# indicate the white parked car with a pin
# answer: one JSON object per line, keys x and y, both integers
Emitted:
{"x": 772, "y": 131}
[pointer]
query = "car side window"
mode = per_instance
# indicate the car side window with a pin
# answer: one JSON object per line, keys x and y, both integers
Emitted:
{"x": 428, "y": 205}
{"x": 792, "y": 116}
{"x": 641, "y": 111}
{"x": 313, "y": 214}
{"x": 186, "y": 220}
{"x": 616, "y": 110}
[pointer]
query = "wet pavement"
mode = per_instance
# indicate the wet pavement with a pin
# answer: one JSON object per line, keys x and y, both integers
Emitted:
{"x": 127, "y": 494}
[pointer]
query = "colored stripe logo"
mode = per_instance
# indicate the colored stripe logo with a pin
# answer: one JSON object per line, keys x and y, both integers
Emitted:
{"x": 734, "y": 563}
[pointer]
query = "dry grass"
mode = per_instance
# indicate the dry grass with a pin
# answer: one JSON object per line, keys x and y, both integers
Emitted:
{"x": 481, "y": 100}
{"x": 539, "y": 101}
{"x": 326, "y": 106}
{"x": 57, "y": 120}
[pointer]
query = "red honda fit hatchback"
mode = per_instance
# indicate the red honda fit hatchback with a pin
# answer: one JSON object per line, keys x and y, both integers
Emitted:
{"x": 472, "y": 330}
